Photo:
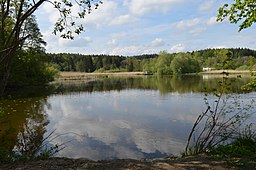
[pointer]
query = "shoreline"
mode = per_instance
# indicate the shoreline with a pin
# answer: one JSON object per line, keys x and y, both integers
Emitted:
{"x": 228, "y": 72}
{"x": 201, "y": 161}
{"x": 85, "y": 74}
{"x": 70, "y": 77}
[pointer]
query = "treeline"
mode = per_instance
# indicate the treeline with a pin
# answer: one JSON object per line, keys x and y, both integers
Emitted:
{"x": 232, "y": 58}
{"x": 163, "y": 63}
{"x": 100, "y": 63}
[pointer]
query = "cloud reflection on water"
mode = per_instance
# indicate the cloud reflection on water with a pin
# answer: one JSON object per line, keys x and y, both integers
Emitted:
{"x": 125, "y": 124}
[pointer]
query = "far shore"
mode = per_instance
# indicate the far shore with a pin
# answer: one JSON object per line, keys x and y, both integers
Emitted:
{"x": 70, "y": 76}
{"x": 84, "y": 74}
{"x": 75, "y": 74}
{"x": 229, "y": 72}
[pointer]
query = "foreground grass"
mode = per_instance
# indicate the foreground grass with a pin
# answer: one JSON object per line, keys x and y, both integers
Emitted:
{"x": 240, "y": 153}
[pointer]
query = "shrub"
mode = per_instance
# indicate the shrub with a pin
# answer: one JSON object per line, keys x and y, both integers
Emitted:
{"x": 219, "y": 123}
{"x": 244, "y": 145}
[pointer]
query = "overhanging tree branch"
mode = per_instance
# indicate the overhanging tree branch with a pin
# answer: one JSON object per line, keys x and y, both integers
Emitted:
{"x": 13, "y": 16}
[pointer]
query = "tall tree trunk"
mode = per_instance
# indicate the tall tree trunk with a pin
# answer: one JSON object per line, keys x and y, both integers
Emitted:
{"x": 7, "y": 58}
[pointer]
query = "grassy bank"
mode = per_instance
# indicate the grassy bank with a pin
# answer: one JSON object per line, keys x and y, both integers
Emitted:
{"x": 66, "y": 76}
{"x": 73, "y": 74}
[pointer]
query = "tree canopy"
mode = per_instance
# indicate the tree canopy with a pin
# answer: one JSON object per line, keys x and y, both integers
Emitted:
{"x": 15, "y": 16}
{"x": 243, "y": 11}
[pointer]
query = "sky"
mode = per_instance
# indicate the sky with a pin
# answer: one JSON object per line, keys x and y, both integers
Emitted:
{"x": 136, "y": 27}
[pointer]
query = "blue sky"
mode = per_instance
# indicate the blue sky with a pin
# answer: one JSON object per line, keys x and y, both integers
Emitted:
{"x": 134, "y": 27}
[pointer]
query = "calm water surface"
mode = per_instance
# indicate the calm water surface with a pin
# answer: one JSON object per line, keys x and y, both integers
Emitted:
{"x": 119, "y": 117}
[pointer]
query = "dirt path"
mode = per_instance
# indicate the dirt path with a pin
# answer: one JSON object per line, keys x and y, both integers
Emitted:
{"x": 196, "y": 162}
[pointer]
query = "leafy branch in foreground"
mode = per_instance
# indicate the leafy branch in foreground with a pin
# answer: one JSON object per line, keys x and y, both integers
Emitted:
{"x": 250, "y": 86}
{"x": 220, "y": 122}
{"x": 243, "y": 11}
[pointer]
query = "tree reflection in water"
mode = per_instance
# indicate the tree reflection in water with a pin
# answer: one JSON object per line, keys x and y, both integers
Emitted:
{"x": 164, "y": 84}
{"x": 22, "y": 127}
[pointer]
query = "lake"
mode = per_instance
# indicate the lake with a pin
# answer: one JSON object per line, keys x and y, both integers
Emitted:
{"x": 111, "y": 117}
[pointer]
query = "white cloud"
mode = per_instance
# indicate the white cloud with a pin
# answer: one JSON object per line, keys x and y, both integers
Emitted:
{"x": 77, "y": 42}
{"x": 187, "y": 23}
{"x": 120, "y": 35}
{"x": 141, "y": 7}
{"x": 58, "y": 45}
{"x": 123, "y": 19}
{"x": 217, "y": 46}
{"x": 101, "y": 16}
{"x": 126, "y": 2}
{"x": 157, "y": 42}
{"x": 131, "y": 50}
{"x": 197, "y": 31}
{"x": 177, "y": 48}
{"x": 98, "y": 17}
{"x": 206, "y": 6}
{"x": 49, "y": 12}
{"x": 112, "y": 42}
{"x": 212, "y": 21}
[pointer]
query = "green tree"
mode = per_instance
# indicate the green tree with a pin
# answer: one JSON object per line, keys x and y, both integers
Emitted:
{"x": 223, "y": 59}
{"x": 106, "y": 61}
{"x": 150, "y": 66}
{"x": 85, "y": 64}
{"x": 29, "y": 67}
{"x": 239, "y": 11}
{"x": 13, "y": 17}
{"x": 98, "y": 62}
{"x": 164, "y": 63}
{"x": 184, "y": 63}
{"x": 35, "y": 38}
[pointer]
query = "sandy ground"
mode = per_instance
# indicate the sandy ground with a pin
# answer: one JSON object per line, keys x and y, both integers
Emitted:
{"x": 189, "y": 163}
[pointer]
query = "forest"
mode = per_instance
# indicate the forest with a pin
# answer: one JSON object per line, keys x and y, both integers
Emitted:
{"x": 163, "y": 63}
